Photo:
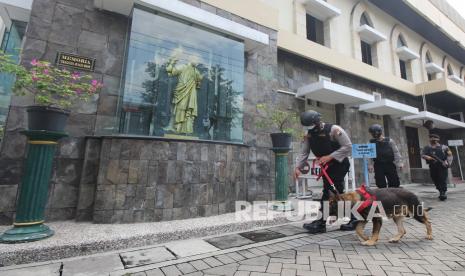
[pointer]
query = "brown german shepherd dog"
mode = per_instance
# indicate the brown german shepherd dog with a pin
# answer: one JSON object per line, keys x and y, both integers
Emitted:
{"x": 398, "y": 203}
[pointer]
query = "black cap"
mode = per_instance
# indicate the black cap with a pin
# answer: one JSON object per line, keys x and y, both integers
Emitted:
{"x": 310, "y": 117}
{"x": 375, "y": 128}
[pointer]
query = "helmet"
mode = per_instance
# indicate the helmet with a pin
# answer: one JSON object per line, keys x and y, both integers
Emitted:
{"x": 309, "y": 118}
{"x": 376, "y": 130}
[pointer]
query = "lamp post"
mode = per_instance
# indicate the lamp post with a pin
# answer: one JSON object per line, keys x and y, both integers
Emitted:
{"x": 281, "y": 180}
{"x": 33, "y": 192}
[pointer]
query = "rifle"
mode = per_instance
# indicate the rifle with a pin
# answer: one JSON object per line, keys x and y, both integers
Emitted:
{"x": 437, "y": 159}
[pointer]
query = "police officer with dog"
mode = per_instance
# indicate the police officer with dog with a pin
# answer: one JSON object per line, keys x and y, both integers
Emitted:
{"x": 387, "y": 159}
{"x": 439, "y": 158}
{"x": 332, "y": 146}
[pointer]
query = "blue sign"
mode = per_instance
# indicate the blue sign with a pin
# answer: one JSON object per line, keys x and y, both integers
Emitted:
{"x": 364, "y": 150}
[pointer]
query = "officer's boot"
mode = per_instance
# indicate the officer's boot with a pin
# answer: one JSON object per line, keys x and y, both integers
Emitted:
{"x": 442, "y": 195}
{"x": 351, "y": 225}
{"x": 315, "y": 227}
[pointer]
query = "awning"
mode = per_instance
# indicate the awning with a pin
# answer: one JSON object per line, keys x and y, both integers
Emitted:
{"x": 369, "y": 34}
{"x": 404, "y": 53}
{"x": 190, "y": 13}
{"x": 389, "y": 107}
{"x": 433, "y": 68}
{"x": 455, "y": 79}
{"x": 321, "y": 9}
{"x": 333, "y": 93}
{"x": 15, "y": 10}
{"x": 440, "y": 121}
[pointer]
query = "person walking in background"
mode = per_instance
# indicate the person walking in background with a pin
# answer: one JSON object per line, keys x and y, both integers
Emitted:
{"x": 387, "y": 160}
{"x": 439, "y": 158}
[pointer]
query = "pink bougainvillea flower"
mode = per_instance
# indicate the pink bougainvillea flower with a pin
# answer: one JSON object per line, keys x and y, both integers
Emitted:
{"x": 46, "y": 71}
{"x": 94, "y": 82}
{"x": 78, "y": 91}
{"x": 34, "y": 62}
{"x": 35, "y": 77}
{"x": 75, "y": 75}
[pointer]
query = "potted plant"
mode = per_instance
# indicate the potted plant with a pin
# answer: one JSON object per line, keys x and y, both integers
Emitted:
{"x": 284, "y": 121}
{"x": 54, "y": 89}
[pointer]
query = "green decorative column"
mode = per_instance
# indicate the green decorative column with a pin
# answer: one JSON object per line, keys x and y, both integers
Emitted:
{"x": 33, "y": 192}
{"x": 281, "y": 180}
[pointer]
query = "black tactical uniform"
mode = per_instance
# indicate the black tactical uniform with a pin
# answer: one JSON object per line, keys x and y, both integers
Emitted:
{"x": 322, "y": 145}
{"x": 437, "y": 168}
{"x": 384, "y": 164}
{"x": 326, "y": 140}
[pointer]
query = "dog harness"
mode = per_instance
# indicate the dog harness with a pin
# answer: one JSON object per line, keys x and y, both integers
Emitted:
{"x": 367, "y": 198}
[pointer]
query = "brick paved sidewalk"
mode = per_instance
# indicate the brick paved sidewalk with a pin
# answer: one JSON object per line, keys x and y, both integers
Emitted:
{"x": 287, "y": 250}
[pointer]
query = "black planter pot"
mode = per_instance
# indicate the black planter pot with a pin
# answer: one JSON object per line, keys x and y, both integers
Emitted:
{"x": 47, "y": 118}
{"x": 281, "y": 140}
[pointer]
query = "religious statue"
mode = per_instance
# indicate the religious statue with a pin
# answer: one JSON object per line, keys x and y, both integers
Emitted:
{"x": 184, "y": 102}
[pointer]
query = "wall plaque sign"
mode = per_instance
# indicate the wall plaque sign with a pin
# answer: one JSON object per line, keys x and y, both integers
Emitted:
{"x": 74, "y": 61}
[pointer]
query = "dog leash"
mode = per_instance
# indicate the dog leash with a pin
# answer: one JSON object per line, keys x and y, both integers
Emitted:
{"x": 324, "y": 173}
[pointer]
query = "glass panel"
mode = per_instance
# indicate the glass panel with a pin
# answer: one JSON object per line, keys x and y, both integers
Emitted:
{"x": 364, "y": 20}
{"x": 11, "y": 45}
{"x": 366, "y": 53}
{"x": 449, "y": 70}
{"x": 428, "y": 58}
{"x": 400, "y": 42}
{"x": 315, "y": 30}
{"x": 181, "y": 80}
{"x": 403, "y": 69}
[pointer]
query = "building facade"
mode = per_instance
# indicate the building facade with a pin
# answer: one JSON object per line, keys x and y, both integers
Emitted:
{"x": 132, "y": 156}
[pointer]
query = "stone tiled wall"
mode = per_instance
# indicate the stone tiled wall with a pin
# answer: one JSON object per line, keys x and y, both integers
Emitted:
{"x": 80, "y": 172}
{"x": 72, "y": 26}
{"x": 147, "y": 180}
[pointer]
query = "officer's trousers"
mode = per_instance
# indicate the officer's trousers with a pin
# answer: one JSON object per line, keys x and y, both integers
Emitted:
{"x": 337, "y": 171}
{"x": 439, "y": 176}
{"x": 385, "y": 170}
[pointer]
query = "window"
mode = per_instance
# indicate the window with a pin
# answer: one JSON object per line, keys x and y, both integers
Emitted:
{"x": 364, "y": 20}
{"x": 450, "y": 72}
{"x": 401, "y": 42}
{"x": 366, "y": 53}
{"x": 456, "y": 116}
{"x": 315, "y": 30}
{"x": 431, "y": 76}
{"x": 181, "y": 80}
{"x": 403, "y": 69}
{"x": 11, "y": 45}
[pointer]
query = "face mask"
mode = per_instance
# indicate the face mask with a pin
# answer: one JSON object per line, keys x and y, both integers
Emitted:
{"x": 308, "y": 128}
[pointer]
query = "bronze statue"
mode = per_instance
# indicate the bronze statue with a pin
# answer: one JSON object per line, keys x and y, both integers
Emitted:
{"x": 184, "y": 103}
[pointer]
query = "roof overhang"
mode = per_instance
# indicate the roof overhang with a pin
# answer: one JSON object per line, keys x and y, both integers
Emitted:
{"x": 369, "y": 34}
{"x": 321, "y": 10}
{"x": 433, "y": 68}
{"x": 190, "y": 13}
{"x": 389, "y": 107}
{"x": 440, "y": 121}
{"x": 405, "y": 53}
{"x": 333, "y": 93}
{"x": 15, "y": 10}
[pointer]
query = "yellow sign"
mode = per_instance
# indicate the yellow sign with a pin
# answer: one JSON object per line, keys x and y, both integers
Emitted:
{"x": 78, "y": 62}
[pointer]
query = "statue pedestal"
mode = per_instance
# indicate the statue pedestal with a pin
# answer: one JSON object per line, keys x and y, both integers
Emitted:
{"x": 33, "y": 192}
{"x": 281, "y": 180}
